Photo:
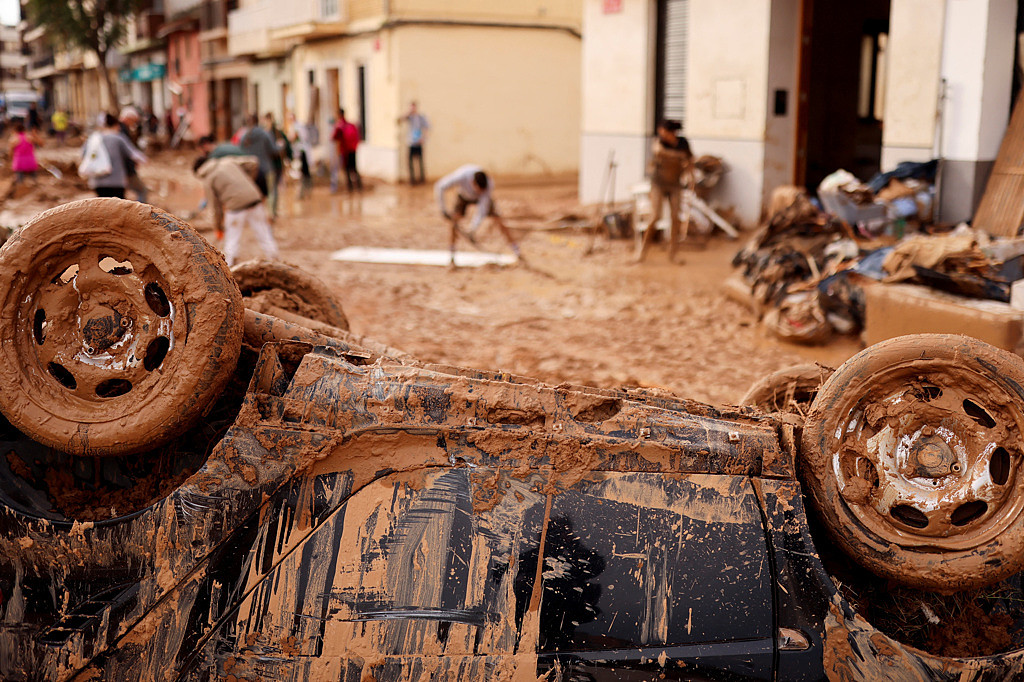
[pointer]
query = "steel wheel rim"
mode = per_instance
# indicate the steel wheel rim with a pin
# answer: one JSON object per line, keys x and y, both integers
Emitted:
{"x": 924, "y": 469}
{"x": 99, "y": 327}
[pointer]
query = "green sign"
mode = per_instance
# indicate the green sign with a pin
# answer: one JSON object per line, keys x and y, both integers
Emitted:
{"x": 149, "y": 72}
{"x": 146, "y": 72}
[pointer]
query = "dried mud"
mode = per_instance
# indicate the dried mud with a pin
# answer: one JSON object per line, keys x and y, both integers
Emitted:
{"x": 582, "y": 313}
{"x": 578, "y": 315}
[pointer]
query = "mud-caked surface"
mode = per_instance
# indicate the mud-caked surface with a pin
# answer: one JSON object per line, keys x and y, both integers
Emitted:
{"x": 580, "y": 313}
{"x": 965, "y": 624}
{"x": 50, "y": 484}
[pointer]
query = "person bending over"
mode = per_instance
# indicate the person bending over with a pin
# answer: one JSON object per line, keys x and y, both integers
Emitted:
{"x": 473, "y": 187}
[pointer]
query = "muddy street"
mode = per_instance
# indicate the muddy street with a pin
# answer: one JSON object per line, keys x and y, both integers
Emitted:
{"x": 569, "y": 316}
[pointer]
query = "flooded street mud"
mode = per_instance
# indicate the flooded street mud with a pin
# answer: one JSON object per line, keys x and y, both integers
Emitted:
{"x": 515, "y": 446}
{"x": 570, "y": 316}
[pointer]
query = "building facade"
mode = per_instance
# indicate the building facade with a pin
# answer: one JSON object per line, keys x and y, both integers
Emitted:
{"x": 481, "y": 73}
{"x": 788, "y": 91}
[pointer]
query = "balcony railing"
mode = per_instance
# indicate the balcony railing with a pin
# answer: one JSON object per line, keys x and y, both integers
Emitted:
{"x": 41, "y": 62}
{"x": 268, "y": 25}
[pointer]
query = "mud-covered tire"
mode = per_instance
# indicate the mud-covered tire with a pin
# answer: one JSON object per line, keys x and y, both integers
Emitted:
{"x": 791, "y": 389}
{"x": 913, "y": 458}
{"x": 119, "y": 325}
{"x": 291, "y": 289}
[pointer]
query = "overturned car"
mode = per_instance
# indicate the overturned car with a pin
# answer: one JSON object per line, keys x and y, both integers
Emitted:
{"x": 193, "y": 489}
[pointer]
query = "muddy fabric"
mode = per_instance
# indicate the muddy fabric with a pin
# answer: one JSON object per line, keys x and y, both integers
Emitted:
{"x": 926, "y": 251}
{"x": 668, "y": 164}
{"x": 799, "y": 318}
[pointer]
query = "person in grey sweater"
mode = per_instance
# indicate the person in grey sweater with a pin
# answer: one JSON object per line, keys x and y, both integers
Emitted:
{"x": 121, "y": 153}
{"x": 259, "y": 142}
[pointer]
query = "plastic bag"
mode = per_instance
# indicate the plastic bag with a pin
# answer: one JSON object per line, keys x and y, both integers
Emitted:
{"x": 95, "y": 161}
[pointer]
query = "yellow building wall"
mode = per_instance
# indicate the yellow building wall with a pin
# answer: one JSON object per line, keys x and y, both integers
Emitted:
{"x": 505, "y": 98}
{"x": 569, "y": 12}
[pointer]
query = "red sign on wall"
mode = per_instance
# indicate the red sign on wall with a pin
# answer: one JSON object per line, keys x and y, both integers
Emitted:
{"x": 612, "y": 6}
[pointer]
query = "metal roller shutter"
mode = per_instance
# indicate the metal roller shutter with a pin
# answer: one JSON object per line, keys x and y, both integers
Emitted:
{"x": 673, "y": 30}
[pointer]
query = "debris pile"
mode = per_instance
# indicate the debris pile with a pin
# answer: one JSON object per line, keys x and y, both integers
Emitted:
{"x": 806, "y": 268}
{"x": 966, "y": 262}
{"x": 891, "y": 203}
{"x": 793, "y": 266}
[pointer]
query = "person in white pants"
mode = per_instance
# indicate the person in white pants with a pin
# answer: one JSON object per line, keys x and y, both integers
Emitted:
{"x": 229, "y": 182}
{"x": 256, "y": 219}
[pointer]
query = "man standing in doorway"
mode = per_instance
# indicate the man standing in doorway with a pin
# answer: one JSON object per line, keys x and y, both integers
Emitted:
{"x": 474, "y": 187}
{"x": 346, "y": 137}
{"x": 418, "y": 127}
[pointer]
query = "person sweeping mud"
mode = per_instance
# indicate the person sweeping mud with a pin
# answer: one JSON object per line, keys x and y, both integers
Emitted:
{"x": 668, "y": 167}
{"x": 237, "y": 202}
{"x": 474, "y": 187}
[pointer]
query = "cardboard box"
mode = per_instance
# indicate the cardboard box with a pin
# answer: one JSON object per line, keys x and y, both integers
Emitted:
{"x": 896, "y": 309}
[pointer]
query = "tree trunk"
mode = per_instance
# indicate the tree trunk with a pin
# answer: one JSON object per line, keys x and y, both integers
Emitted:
{"x": 108, "y": 100}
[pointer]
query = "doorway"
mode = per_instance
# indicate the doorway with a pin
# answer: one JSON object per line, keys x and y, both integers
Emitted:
{"x": 842, "y": 88}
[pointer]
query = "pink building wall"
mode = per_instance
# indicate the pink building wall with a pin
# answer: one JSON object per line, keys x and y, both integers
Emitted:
{"x": 184, "y": 69}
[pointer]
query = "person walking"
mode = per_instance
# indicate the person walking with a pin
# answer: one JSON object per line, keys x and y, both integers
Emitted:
{"x": 237, "y": 202}
{"x": 418, "y": 127}
{"x": 59, "y": 120}
{"x": 282, "y": 152}
{"x": 346, "y": 138}
{"x": 129, "y": 125}
{"x": 119, "y": 152}
{"x": 473, "y": 187}
{"x": 304, "y": 138}
{"x": 669, "y": 163}
{"x": 22, "y": 147}
{"x": 258, "y": 142}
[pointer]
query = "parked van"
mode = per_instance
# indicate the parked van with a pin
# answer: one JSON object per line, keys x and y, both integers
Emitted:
{"x": 17, "y": 102}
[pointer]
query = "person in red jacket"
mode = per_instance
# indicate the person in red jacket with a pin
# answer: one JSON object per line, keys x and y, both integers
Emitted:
{"x": 346, "y": 137}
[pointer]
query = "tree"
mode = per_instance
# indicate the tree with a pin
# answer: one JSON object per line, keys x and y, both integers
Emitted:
{"x": 94, "y": 25}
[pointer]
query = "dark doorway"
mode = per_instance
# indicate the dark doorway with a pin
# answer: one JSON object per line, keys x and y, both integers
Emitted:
{"x": 842, "y": 84}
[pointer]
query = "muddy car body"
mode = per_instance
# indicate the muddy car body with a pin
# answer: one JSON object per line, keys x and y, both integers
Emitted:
{"x": 353, "y": 517}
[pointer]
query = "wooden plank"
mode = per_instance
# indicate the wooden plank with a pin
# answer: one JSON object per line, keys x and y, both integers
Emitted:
{"x": 1001, "y": 210}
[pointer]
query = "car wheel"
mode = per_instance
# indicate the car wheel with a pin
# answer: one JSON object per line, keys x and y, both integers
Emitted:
{"x": 119, "y": 326}
{"x": 792, "y": 389}
{"x": 912, "y": 455}
{"x": 291, "y": 289}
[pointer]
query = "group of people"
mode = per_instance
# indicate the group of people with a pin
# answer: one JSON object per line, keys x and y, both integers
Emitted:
{"x": 241, "y": 178}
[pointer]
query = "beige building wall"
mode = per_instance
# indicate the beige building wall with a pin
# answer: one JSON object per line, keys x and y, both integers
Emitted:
{"x": 727, "y": 97}
{"x": 518, "y": 11}
{"x": 783, "y": 76}
{"x": 914, "y": 62}
{"x": 265, "y": 81}
{"x": 376, "y": 156}
{"x": 506, "y": 98}
{"x": 617, "y": 97}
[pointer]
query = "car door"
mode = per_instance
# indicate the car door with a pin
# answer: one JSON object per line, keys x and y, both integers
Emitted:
{"x": 655, "y": 574}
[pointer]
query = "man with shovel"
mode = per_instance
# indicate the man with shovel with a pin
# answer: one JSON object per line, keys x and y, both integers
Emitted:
{"x": 474, "y": 187}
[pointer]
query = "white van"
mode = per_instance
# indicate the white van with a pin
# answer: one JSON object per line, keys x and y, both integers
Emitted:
{"x": 17, "y": 102}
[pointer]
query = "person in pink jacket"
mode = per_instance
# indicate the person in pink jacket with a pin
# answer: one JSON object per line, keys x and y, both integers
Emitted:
{"x": 23, "y": 152}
